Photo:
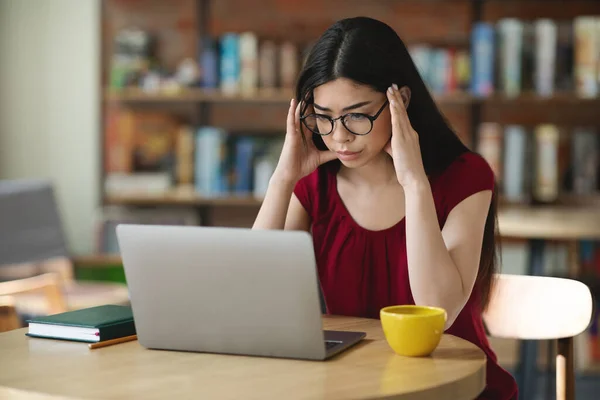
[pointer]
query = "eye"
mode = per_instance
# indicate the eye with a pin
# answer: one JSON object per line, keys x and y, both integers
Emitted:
{"x": 322, "y": 118}
{"x": 357, "y": 117}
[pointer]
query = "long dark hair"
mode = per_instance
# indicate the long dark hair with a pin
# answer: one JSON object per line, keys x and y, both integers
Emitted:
{"x": 369, "y": 52}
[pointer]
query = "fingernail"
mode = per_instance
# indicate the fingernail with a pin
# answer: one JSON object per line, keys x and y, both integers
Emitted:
{"x": 395, "y": 86}
{"x": 291, "y": 102}
{"x": 390, "y": 90}
{"x": 393, "y": 103}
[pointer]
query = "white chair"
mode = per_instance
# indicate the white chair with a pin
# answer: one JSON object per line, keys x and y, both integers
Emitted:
{"x": 541, "y": 308}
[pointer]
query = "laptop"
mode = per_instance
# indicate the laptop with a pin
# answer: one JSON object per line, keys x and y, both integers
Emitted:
{"x": 227, "y": 290}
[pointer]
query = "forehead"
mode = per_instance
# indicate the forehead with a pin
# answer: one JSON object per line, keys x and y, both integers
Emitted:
{"x": 342, "y": 92}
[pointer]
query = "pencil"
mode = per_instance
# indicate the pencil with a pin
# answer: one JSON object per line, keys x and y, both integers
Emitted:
{"x": 110, "y": 342}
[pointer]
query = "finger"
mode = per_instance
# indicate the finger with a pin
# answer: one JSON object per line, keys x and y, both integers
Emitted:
{"x": 397, "y": 130}
{"x": 302, "y": 129}
{"x": 291, "y": 124}
{"x": 401, "y": 107}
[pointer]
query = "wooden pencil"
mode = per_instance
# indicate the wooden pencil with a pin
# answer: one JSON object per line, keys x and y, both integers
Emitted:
{"x": 110, "y": 342}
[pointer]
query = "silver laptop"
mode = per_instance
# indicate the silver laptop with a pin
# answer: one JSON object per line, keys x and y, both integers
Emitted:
{"x": 227, "y": 290}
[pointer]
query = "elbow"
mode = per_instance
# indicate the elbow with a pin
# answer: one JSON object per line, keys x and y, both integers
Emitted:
{"x": 452, "y": 307}
{"x": 450, "y": 318}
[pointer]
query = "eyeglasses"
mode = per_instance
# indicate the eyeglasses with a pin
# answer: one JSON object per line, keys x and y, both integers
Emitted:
{"x": 356, "y": 123}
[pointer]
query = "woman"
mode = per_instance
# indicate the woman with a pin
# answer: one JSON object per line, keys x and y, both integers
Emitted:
{"x": 401, "y": 212}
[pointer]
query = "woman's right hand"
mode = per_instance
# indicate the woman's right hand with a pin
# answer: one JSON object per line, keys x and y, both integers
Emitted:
{"x": 299, "y": 157}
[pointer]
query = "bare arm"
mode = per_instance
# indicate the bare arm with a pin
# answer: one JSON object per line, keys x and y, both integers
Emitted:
{"x": 443, "y": 265}
{"x": 281, "y": 209}
{"x": 299, "y": 157}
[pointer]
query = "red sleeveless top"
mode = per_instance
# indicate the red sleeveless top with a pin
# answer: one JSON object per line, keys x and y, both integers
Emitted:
{"x": 361, "y": 270}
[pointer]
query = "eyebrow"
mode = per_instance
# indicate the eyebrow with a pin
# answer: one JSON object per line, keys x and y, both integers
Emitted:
{"x": 352, "y": 107}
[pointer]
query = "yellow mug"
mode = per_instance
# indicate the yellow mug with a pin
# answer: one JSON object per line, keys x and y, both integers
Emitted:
{"x": 413, "y": 331}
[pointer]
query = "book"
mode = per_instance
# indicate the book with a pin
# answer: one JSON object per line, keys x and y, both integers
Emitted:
{"x": 244, "y": 158}
{"x": 564, "y": 56}
{"x": 230, "y": 63}
{"x": 267, "y": 64}
{"x": 515, "y": 163}
{"x": 248, "y": 53}
{"x": 509, "y": 50}
{"x": 586, "y": 84}
{"x": 482, "y": 50}
{"x": 212, "y": 166}
{"x": 288, "y": 65}
{"x": 586, "y": 159}
{"x": 545, "y": 182}
{"x": 94, "y": 324}
{"x": 545, "y": 56}
{"x": 209, "y": 63}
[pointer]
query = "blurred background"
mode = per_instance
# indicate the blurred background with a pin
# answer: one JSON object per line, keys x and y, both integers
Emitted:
{"x": 173, "y": 112}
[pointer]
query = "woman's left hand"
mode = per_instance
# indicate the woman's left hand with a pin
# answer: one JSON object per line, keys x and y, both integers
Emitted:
{"x": 404, "y": 143}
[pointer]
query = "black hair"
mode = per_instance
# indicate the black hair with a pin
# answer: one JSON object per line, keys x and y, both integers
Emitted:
{"x": 371, "y": 53}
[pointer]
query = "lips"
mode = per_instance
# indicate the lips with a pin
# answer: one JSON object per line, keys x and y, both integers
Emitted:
{"x": 348, "y": 155}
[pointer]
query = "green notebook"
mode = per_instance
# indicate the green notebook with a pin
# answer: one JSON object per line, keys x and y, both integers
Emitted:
{"x": 93, "y": 324}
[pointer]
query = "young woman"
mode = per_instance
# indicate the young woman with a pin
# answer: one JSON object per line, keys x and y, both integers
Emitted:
{"x": 401, "y": 212}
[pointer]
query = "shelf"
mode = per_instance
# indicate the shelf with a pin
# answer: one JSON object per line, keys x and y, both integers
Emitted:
{"x": 273, "y": 96}
{"x": 549, "y": 222}
{"x": 96, "y": 260}
{"x": 133, "y": 95}
{"x": 543, "y": 222}
{"x": 532, "y": 98}
{"x": 281, "y": 96}
{"x": 182, "y": 199}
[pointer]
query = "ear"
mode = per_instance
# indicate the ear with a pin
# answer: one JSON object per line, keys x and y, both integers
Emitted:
{"x": 405, "y": 94}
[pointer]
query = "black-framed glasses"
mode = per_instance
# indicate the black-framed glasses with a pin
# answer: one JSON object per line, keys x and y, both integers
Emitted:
{"x": 356, "y": 123}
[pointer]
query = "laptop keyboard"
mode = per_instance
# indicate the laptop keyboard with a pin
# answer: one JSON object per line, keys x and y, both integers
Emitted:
{"x": 331, "y": 343}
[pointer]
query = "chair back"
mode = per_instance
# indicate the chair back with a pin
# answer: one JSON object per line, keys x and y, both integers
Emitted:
{"x": 32, "y": 240}
{"x": 538, "y": 307}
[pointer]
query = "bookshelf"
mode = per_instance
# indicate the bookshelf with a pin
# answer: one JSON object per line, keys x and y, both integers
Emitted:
{"x": 436, "y": 23}
{"x": 279, "y": 96}
{"x": 276, "y": 96}
{"x": 183, "y": 199}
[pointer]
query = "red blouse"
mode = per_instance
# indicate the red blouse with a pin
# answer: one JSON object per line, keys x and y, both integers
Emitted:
{"x": 361, "y": 270}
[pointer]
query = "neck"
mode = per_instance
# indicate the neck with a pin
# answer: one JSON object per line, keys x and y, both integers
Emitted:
{"x": 378, "y": 172}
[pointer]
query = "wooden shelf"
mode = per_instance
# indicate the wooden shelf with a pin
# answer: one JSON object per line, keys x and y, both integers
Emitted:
{"x": 182, "y": 199}
{"x": 96, "y": 260}
{"x": 532, "y": 98}
{"x": 549, "y": 222}
{"x": 544, "y": 222}
{"x": 282, "y": 96}
{"x": 275, "y": 96}
{"x": 134, "y": 95}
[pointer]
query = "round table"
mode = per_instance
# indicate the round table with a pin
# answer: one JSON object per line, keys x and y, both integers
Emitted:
{"x": 456, "y": 370}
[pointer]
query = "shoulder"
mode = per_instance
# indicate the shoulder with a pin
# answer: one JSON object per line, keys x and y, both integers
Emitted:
{"x": 467, "y": 169}
{"x": 312, "y": 190}
{"x": 468, "y": 174}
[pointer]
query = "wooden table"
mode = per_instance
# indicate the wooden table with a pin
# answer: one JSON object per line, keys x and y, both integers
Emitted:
{"x": 456, "y": 370}
{"x": 538, "y": 224}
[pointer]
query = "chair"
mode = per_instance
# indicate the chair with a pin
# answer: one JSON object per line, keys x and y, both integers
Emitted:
{"x": 542, "y": 308}
{"x": 33, "y": 253}
{"x": 9, "y": 319}
{"x": 48, "y": 284}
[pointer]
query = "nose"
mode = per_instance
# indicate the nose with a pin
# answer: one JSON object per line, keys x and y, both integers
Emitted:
{"x": 340, "y": 134}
